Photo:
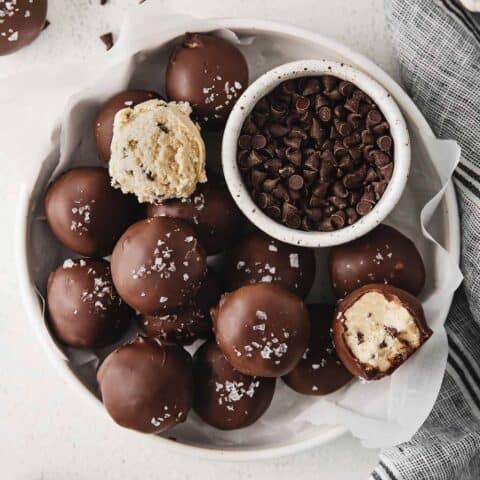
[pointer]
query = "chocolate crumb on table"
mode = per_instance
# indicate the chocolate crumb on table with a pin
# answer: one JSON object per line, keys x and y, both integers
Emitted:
{"x": 107, "y": 39}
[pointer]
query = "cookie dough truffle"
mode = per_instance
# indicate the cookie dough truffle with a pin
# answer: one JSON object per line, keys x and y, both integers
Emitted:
{"x": 382, "y": 256}
{"x": 190, "y": 322}
{"x": 157, "y": 152}
{"x": 209, "y": 73}
{"x": 84, "y": 308}
{"x": 85, "y": 213}
{"x": 377, "y": 328}
{"x": 262, "y": 329}
{"x": 21, "y": 21}
{"x": 225, "y": 398}
{"x": 211, "y": 210}
{"x": 158, "y": 265}
{"x": 260, "y": 258}
{"x": 147, "y": 385}
{"x": 320, "y": 371}
{"x": 103, "y": 125}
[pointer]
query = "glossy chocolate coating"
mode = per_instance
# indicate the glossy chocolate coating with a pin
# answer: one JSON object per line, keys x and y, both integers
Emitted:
{"x": 260, "y": 258}
{"x": 320, "y": 371}
{"x": 353, "y": 364}
{"x": 262, "y": 329}
{"x": 103, "y": 125}
{"x": 208, "y": 72}
{"x": 190, "y": 322}
{"x": 383, "y": 255}
{"x": 225, "y": 398}
{"x": 21, "y": 21}
{"x": 85, "y": 213}
{"x": 158, "y": 265}
{"x": 210, "y": 210}
{"x": 147, "y": 385}
{"x": 84, "y": 308}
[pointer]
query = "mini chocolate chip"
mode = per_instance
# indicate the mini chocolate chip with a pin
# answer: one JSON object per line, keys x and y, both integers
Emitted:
{"x": 316, "y": 131}
{"x": 288, "y": 87}
{"x": 294, "y": 142}
{"x": 257, "y": 178}
{"x": 264, "y": 200}
{"x": 249, "y": 126}
{"x": 325, "y": 225}
{"x": 339, "y": 219}
{"x": 254, "y": 159}
{"x": 295, "y": 182}
{"x": 386, "y": 171}
{"x": 278, "y": 130}
{"x": 280, "y": 151}
{"x": 354, "y": 198}
{"x": 262, "y": 105}
{"x": 314, "y": 214}
{"x": 311, "y": 87}
{"x": 278, "y": 111}
{"x": 371, "y": 176}
{"x": 380, "y": 129}
{"x": 346, "y": 88}
{"x": 325, "y": 114}
{"x": 259, "y": 142}
{"x": 291, "y": 118}
{"x": 274, "y": 212}
{"x": 379, "y": 189}
{"x": 355, "y": 153}
{"x": 320, "y": 190}
{"x": 334, "y": 95}
{"x": 352, "y": 104}
{"x": 310, "y": 176}
{"x": 368, "y": 195}
{"x": 295, "y": 195}
{"x": 327, "y": 145}
{"x": 302, "y": 104}
{"x": 306, "y": 224}
{"x": 339, "y": 190}
{"x": 380, "y": 158}
{"x": 355, "y": 120}
{"x": 270, "y": 184}
{"x": 244, "y": 142}
{"x": 281, "y": 193}
{"x": 328, "y": 210}
{"x": 352, "y": 215}
{"x": 340, "y": 111}
{"x": 366, "y": 152}
{"x": 269, "y": 149}
{"x": 329, "y": 82}
{"x": 298, "y": 132}
{"x": 374, "y": 117}
{"x": 294, "y": 221}
{"x": 339, "y": 149}
{"x": 315, "y": 202}
{"x": 321, "y": 101}
{"x": 363, "y": 208}
{"x": 343, "y": 128}
{"x": 352, "y": 181}
{"x": 367, "y": 138}
{"x": 363, "y": 109}
{"x": 338, "y": 202}
{"x": 273, "y": 164}
{"x": 352, "y": 140}
{"x": 294, "y": 155}
{"x": 385, "y": 143}
{"x": 288, "y": 210}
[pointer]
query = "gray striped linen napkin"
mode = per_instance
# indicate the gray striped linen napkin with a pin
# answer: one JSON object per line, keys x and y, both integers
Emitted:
{"x": 438, "y": 47}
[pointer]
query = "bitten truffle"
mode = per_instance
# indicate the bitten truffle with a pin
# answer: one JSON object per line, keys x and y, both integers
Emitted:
{"x": 262, "y": 329}
{"x": 157, "y": 151}
{"x": 320, "y": 371}
{"x": 225, "y": 398}
{"x": 158, "y": 265}
{"x": 103, "y": 125}
{"x": 85, "y": 213}
{"x": 208, "y": 72}
{"x": 382, "y": 256}
{"x": 376, "y": 328}
{"x": 259, "y": 258}
{"x": 21, "y": 21}
{"x": 212, "y": 212}
{"x": 84, "y": 308}
{"x": 190, "y": 322}
{"x": 147, "y": 385}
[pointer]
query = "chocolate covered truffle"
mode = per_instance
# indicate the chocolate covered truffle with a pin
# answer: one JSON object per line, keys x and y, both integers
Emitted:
{"x": 376, "y": 328}
{"x": 262, "y": 329}
{"x": 382, "y": 256}
{"x": 21, "y": 21}
{"x": 84, "y": 308}
{"x": 158, "y": 265}
{"x": 260, "y": 258}
{"x": 190, "y": 322}
{"x": 320, "y": 371}
{"x": 85, "y": 213}
{"x": 225, "y": 398}
{"x": 208, "y": 72}
{"x": 103, "y": 125}
{"x": 211, "y": 210}
{"x": 147, "y": 385}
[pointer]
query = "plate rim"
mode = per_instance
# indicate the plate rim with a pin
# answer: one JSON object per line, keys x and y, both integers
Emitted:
{"x": 58, "y": 359}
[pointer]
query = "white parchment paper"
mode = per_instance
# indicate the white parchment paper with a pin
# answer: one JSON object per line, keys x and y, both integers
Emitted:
{"x": 48, "y": 128}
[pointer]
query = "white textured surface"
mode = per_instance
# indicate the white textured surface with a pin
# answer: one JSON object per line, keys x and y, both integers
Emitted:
{"x": 46, "y": 432}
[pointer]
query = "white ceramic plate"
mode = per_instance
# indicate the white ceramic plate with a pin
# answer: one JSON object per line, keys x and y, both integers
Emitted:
{"x": 291, "y": 44}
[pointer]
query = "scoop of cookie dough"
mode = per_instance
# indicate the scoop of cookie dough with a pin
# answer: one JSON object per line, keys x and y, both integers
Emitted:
{"x": 157, "y": 152}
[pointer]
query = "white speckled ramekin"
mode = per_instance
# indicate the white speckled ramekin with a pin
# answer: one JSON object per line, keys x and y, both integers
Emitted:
{"x": 265, "y": 84}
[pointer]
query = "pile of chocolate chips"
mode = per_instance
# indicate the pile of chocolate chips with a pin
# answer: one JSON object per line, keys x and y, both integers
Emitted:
{"x": 316, "y": 153}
